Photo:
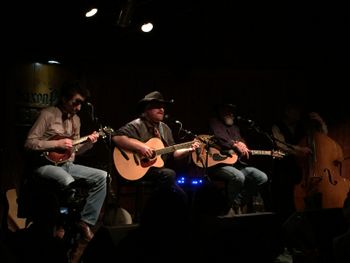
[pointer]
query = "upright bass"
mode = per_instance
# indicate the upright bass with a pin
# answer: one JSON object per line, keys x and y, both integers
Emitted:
{"x": 322, "y": 185}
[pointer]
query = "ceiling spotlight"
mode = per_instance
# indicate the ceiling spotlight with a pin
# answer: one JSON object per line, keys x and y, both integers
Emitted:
{"x": 147, "y": 27}
{"x": 53, "y": 62}
{"x": 91, "y": 12}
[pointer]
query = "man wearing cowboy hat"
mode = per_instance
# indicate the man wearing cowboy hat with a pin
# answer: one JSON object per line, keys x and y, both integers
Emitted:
{"x": 243, "y": 181}
{"x": 136, "y": 135}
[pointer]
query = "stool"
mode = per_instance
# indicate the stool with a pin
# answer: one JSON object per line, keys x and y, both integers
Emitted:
{"x": 255, "y": 204}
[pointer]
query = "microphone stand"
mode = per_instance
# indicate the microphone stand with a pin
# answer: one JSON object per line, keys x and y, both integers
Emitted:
{"x": 93, "y": 117}
{"x": 205, "y": 162}
{"x": 189, "y": 133}
{"x": 207, "y": 147}
{"x": 108, "y": 143}
{"x": 273, "y": 140}
{"x": 110, "y": 200}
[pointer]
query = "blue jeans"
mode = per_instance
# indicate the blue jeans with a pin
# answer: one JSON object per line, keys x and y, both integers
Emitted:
{"x": 95, "y": 178}
{"x": 242, "y": 183}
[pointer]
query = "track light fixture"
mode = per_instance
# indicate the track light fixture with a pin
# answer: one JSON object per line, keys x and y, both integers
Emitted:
{"x": 126, "y": 13}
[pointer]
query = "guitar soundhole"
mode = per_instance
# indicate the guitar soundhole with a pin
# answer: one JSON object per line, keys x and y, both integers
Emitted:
{"x": 218, "y": 157}
{"x": 145, "y": 162}
{"x": 154, "y": 155}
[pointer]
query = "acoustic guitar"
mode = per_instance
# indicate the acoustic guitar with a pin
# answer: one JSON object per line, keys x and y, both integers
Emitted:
{"x": 131, "y": 166}
{"x": 215, "y": 156}
{"x": 59, "y": 156}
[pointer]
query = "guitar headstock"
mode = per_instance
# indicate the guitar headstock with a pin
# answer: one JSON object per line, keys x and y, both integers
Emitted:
{"x": 278, "y": 154}
{"x": 103, "y": 132}
{"x": 204, "y": 138}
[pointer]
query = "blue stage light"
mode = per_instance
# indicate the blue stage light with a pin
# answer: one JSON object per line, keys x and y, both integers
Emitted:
{"x": 189, "y": 181}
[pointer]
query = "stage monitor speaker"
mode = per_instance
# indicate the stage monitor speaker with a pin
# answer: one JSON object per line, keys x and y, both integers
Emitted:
{"x": 104, "y": 246}
{"x": 315, "y": 231}
{"x": 255, "y": 237}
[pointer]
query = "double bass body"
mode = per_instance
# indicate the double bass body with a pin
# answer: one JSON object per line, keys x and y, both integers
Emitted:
{"x": 322, "y": 185}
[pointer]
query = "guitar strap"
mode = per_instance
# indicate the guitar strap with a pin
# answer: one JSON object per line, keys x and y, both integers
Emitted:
{"x": 161, "y": 133}
{"x": 156, "y": 132}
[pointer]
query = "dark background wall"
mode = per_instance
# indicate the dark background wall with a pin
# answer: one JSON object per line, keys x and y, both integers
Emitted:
{"x": 115, "y": 90}
{"x": 254, "y": 55}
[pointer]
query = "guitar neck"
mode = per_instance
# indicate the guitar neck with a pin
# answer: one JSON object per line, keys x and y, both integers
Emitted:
{"x": 260, "y": 152}
{"x": 83, "y": 139}
{"x": 173, "y": 148}
{"x": 80, "y": 140}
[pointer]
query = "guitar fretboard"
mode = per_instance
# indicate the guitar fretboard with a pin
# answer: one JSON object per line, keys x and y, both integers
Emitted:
{"x": 83, "y": 139}
{"x": 261, "y": 152}
{"x": 173, "y": 148}
{"x": 80, "y": 140}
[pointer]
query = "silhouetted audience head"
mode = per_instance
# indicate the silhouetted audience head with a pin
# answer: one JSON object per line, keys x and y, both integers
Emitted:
{"x": 168, "y": 206}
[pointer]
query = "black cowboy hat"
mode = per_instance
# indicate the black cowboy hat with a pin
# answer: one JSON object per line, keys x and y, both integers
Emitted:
{"x": 154, "y": 96}
{"x": 225, "y": 106}
{"x": 229, "y": 106}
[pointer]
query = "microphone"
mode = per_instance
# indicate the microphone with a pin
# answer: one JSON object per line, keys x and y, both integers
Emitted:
{"x": 167, "y": 117}
{"x": 171, "y": 120}
{"x": 92, "y": 109}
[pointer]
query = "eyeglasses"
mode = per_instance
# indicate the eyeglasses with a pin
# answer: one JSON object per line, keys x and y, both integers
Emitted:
{"x": 77, "y": 102}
